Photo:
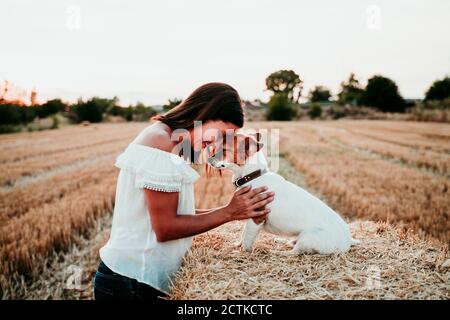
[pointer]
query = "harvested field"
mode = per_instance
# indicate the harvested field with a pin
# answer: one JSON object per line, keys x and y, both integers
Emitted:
{"x": 387, "y": 265}
{"x": 389, "y": 179}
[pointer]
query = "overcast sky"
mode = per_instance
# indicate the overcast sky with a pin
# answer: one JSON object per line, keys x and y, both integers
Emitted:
{"x": 154, "y": 50}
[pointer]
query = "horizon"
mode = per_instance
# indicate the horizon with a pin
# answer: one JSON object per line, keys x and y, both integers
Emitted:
{"x": 152, "y": 52}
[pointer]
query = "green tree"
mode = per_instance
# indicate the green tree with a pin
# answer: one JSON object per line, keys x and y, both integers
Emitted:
{"x": 142, "y": 112}
{"x": 50, "y": 107}
{"x": 382, "y": 93}
{"x": 319, "y": 94}
{"x": 128, "y": 114}
{"x": 280, "y": 107}
{"x": 439, "y": 90}
{"x": 171, "y": 104}
{"x": 117, "y": 111}
{"x": 93, "y": 109}
{"x": 10, "y": 114}
{"x": 16, "y": 114}
{"x": 286, "y": 82}
{"x": 351, "y": 91}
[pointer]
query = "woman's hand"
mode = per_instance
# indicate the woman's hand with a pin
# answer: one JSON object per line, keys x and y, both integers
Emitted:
{"x": 249, "y": 203}
{"x": 260, "y": 219}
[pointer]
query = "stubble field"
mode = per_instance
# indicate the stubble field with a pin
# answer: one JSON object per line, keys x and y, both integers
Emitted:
{"x": 389, "y": 179}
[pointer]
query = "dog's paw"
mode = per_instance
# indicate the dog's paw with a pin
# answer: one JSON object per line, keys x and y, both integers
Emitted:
{"x": 281, "y": 253}
{"x": 279, "y": 240}
{"x": 293, "y": 252}
{"x": 292, "y": 243}
{"x": 285, "y": 242}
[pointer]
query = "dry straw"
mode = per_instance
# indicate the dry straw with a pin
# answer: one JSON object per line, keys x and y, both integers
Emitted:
{"x": 388, "y": 264}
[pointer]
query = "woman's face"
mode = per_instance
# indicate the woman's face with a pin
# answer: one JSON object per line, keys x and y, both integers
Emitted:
{"x": 211, "y": 134}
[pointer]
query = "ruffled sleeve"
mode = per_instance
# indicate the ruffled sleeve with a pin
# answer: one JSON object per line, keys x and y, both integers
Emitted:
{"x": 156, "y": 169}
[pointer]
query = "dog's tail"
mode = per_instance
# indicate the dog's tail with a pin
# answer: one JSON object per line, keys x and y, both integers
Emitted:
{"x": 354, "y": 242}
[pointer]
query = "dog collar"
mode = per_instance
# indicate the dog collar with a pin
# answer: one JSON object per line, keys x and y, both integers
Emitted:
{"x": 249, "y": 177}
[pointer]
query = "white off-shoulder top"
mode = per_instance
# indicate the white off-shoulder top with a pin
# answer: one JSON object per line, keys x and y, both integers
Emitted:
{"x": 132, "y": 249}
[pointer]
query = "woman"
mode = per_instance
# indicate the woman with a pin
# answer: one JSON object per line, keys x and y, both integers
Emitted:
{"x": 154, "y": 214}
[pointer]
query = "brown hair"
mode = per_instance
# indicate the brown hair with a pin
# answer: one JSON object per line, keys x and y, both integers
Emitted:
{"x": 211, "y": 101}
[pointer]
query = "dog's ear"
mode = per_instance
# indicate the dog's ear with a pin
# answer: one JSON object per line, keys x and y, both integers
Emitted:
{"x": 256, "y": 135}
{"x": 251, "y": 146}
{"x": 257, "y": 138}
{"x": 247, "y": 145}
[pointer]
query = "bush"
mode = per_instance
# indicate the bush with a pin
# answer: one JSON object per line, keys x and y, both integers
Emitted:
{"x": 351, "y": 91}
{"x": 432, "y": 110}
{"x": 117, "y": 111}
{"x": 9, "y": 128}
{"x": 91, "y": 110}
{"x": 383, "y": 94}
{"x": 439, "y": 90}
{"x": 171, "y": 103}
{"x": 315, "y": 111}
{"x": 436, "y": 104}
{"x": 50, "y": 107}
{"x": 55, "y": 122}
{"x": 337, "y": 113}
{"x": 280, "y": 107}
{"x": 10, "y": 114}
{"x": 129, "y": 114}
{"x": 419, "y": 113}
{"x": 141, "y": 113}
{"x": 319, "y": 94}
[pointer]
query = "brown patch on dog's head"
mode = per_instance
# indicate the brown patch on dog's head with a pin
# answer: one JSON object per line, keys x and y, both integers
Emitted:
{"x": 244, "y": 146}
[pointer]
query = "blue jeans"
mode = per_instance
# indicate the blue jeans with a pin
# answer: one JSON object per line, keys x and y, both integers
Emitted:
{"x": 109, "y": 285}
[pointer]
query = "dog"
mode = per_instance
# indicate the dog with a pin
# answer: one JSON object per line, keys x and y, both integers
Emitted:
{"x": 294, "y": 211}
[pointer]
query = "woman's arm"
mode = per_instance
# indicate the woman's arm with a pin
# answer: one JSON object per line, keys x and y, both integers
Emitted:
{"x": 168, "y": 225}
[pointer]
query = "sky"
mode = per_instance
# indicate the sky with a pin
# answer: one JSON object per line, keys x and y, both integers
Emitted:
{"x": 151, "y": 51}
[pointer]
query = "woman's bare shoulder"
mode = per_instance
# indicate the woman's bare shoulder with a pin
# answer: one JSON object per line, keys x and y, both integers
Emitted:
{"x": 155, "y": 136}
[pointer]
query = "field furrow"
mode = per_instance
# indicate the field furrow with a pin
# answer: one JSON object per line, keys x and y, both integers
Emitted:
{"x": 421, "y": 158}
{"x": 57, "y": 187}
{"x": 19, "y": 201}
{"x": 48, "y": 143}
{"x": 26, "y": 241}
{"x": 437, "y": 140}
{"x": 29, "y": 167}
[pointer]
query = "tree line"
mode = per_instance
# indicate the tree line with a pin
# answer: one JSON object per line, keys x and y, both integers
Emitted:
{"x": 380, "y": 93}
{"x": 13, "y": 116}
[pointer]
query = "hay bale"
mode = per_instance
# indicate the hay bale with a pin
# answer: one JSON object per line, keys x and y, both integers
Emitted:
{"x": 388, "y": 264}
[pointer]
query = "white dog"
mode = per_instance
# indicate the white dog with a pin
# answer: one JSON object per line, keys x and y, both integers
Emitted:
{"x": 294, "y": 211}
